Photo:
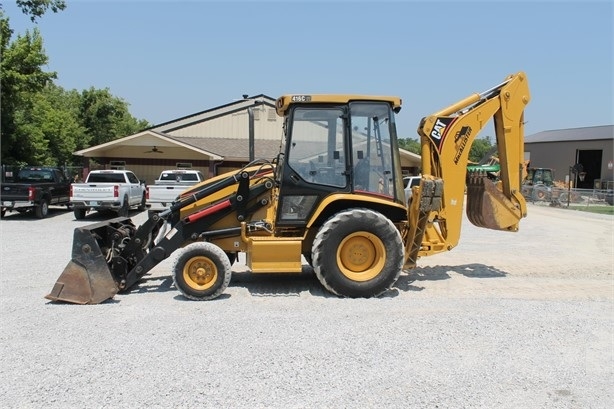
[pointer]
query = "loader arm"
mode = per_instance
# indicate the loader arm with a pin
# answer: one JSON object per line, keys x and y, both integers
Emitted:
{"x": 446, "y": 139}
{"x": 112, "y": 256}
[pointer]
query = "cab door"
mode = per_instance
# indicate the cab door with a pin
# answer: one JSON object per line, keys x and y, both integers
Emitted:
{"x": 136, "y": 191}
{"x": 317, "y": 161}
{"x": 61, "y": 192}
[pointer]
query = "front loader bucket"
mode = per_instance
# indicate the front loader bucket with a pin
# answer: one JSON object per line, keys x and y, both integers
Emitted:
{"x": 87, "y": 278}
{"x": 488, "y": 207}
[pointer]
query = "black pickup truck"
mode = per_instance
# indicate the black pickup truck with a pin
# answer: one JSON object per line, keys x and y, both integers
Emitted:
{"x": 34, "y": 188}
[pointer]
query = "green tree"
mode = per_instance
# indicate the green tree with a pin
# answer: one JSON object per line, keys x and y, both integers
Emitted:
{"x": 50, "y": 122}
{"x": 410, "y": 144}
{"x": 36, "y": 8}
{"x": 41, "y": 123}
{"x": 21, "y": 76}
{"x": 106, "y": 117}
{"x": 480, "y": 148}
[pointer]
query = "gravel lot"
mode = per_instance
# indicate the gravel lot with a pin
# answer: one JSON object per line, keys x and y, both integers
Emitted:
{"x": 505, "y": 320}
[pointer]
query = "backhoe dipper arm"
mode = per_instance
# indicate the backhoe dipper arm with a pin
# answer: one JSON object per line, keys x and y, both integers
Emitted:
{"x": 446, "y": 138}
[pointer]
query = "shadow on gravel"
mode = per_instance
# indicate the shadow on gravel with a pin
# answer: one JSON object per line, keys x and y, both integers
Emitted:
{"x": 280, "y": 285}
{"x": 100, "y": 216}
{"x": 31, "y": 217}
{"x": 158, "y": 284}
{"x": 294, "y": 285}
{"x": 407, "y": 281}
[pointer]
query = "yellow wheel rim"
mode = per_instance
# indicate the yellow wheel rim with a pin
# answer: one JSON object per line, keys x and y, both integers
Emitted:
{"x": 200, "y": 273}
{"x": 361, "y": 256}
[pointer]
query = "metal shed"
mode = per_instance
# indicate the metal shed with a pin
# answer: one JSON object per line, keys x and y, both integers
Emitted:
{"x": 562, "y": 149}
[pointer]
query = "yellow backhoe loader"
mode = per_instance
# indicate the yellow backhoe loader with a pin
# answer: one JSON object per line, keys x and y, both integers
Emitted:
{"x": 333, "y": 195}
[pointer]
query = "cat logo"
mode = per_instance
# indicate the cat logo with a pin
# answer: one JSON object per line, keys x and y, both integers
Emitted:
{"x": 439, "y": 131}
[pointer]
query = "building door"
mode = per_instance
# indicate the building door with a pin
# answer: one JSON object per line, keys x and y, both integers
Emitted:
{"x": 591, "y": 164}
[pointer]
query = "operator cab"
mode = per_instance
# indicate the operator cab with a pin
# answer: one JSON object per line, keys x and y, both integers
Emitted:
{"x": 337, "y": 144}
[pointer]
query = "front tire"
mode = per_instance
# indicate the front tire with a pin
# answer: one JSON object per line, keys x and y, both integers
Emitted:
{"x": 201, "y": 271}
{"x": 42, "y": 210}
{"x": 357, "y": 253}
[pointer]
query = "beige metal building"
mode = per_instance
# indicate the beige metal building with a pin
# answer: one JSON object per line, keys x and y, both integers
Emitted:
{"x": 213, "y": 141}
{"x": 561, "y": 149}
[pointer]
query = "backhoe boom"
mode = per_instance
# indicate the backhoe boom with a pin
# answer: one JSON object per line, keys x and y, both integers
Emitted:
{"x": 446, "y": 139}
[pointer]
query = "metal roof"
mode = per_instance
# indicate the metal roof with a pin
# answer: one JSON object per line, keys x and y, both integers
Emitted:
{"x": 212, "y": 113}
{"x": 232, "y": 149}
{"x": 589, "y": 133}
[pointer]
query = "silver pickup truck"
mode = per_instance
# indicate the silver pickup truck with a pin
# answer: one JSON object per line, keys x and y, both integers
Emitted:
{"x": 116, "y": 190}
{"x": 169, "y": 185}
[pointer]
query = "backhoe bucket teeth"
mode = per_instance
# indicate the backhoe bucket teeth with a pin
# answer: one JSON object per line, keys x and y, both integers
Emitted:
{"x": 87, "y": 278}
{"x": 488, "y": 207}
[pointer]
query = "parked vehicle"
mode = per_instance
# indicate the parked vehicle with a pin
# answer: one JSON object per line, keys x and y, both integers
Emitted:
{"x": 540, "y": 185}
{"x": 409, "y": 182}
{"x": 489, "y": 164}
{"x": 169, "y": 185}
{"x": 34, "y": 189}
{"x": 115, "y": 190}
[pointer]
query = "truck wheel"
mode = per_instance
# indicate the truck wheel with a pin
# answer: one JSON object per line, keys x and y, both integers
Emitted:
{"x": 201, "y": 271}
{"x": 42, "y": 210}
{"x": 357, "y": 253}
{"x": 79, "y": 213}
{"x": 563, "y": 197}
{"x": 143, "y": 206}
{"x": 124, "y": 211}
{"x": 539, "y": 194}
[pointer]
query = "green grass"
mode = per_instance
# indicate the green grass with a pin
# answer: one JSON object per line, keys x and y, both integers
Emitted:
{"x": 594, "y": 209}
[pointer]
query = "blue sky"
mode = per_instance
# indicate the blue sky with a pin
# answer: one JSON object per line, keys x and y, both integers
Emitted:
{"x": 169, "y": 59}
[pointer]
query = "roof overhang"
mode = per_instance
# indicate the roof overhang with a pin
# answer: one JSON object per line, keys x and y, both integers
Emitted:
{"x": 136, "y": 145}
{"x": 410, "y": 159}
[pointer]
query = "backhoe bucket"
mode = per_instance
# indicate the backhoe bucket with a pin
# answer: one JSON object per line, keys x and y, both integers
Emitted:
{"x": 87, "y": 278}
{"x": 488, "y": 207}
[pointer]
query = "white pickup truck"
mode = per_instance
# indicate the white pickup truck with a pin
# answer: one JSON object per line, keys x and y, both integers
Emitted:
{"x": 169, "y": 185}
{"x": 116, "y": 190}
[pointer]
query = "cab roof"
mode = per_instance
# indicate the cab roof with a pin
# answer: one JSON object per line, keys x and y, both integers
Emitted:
{"x": 284, "y": 102}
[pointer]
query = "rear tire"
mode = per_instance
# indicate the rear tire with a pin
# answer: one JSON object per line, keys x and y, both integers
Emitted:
{"x": 42, "y": 210}
{"x": 143, "y": 206}
{"x": 124, "y": 211}
{"x": 358, "y": 253}
{"x": 539, "y": 194}
{"x": 79, "y": 213}
{"x": 201, "y": 271}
